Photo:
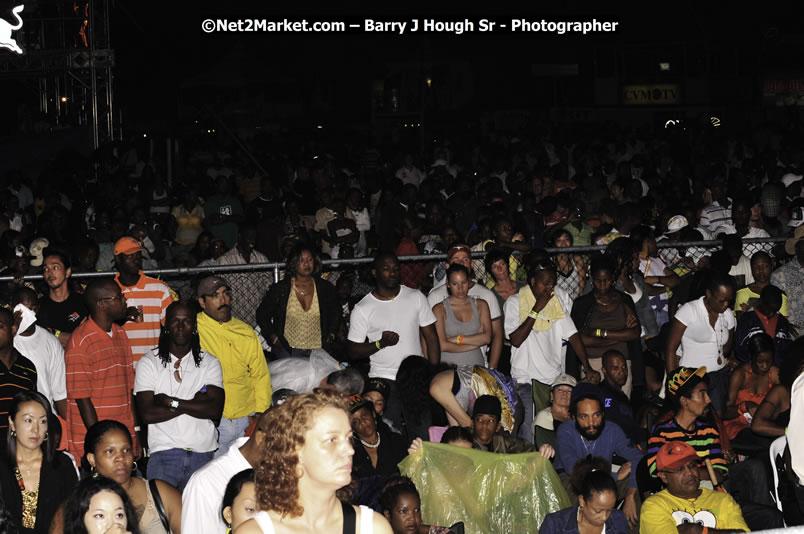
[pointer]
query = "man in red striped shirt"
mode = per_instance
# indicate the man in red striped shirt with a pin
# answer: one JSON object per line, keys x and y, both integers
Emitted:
{"x": 99, "y": 367}
{"x": 147, "y": 297}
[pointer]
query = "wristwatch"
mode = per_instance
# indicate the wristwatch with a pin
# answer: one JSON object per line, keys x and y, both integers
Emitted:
{"x": 174, "y": 404}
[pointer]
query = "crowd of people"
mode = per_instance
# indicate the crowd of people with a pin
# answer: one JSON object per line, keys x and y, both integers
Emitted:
{"x": 651, "y": 376}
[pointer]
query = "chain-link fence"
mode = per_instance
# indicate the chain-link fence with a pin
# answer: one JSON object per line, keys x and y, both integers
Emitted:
{"x": 571, "y": 265}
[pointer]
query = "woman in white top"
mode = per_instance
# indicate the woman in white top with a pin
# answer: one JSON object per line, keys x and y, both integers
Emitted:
{"x": 306, "y": 470}
{"x": 704, "y": 331}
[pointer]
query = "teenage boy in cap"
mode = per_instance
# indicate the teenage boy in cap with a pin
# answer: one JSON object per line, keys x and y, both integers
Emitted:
{"x": 147, "y": 297}
{"x": 461, "y": 254}
{"x": 246, "y": 380}
{"x": 683, "y": 506}
{"x": 488, "y": 435}
{"x": 590, "y": 434}
{"x": 687, "y": 389}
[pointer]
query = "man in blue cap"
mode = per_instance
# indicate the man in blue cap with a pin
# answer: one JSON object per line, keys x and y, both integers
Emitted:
{"x": 588, "y": 434}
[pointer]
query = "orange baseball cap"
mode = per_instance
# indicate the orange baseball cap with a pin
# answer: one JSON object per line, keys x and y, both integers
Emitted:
{"x": 127, "y": 245}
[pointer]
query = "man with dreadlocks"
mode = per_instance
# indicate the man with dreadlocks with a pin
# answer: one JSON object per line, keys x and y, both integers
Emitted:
{"x": 179, "y": 393}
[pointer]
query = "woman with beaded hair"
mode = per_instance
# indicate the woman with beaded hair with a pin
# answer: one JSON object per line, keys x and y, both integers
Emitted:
{"x": 305, "y": 475}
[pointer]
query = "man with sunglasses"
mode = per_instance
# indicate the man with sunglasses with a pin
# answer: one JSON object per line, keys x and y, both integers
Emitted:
{"x": 99, "y": 367}
{"x": 684, "y": 507}
{"x": 179, "y": 393}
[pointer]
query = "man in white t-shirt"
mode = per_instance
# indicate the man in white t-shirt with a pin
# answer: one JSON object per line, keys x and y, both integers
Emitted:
{"x": 461, "y": 254}
{"x": 702, "y": 334}
{"x": 540, "y": 333}
{"x": 386, "y": 326}
{"x": 45, "y": 351}
{"x": 179, "y": 394}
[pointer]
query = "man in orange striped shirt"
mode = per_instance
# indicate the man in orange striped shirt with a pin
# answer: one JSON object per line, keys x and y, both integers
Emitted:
{"x": 147, "y": 297}
{"x": 99, "y": 370}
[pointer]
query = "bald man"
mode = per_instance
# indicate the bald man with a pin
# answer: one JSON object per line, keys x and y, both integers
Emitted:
{"x": 99, "y": 367}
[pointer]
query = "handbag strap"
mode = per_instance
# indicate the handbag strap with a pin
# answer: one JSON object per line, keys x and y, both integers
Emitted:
{"x": 349, "y": 518}
{"x": 160, "y": 508}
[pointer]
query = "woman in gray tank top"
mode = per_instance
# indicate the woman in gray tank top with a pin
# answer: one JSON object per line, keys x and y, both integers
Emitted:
{"x": 463, "y": 323}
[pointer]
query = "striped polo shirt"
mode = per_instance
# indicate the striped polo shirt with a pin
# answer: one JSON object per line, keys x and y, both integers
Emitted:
{"x": 20, "y": 377}
{"x": 705, "y": 439}
{"x": 154, "y": 297}
{"x": 99, "y": 367}
{"x": 715, "y": 215}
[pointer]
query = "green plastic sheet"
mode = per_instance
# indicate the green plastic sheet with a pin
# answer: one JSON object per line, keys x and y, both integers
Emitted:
{"x": 491, "y": 493}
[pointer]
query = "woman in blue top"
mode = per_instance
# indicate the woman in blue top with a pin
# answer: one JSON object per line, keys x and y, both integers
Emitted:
{"x": 594, "y": 513}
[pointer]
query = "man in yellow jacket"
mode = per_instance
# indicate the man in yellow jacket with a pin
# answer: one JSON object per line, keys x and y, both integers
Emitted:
{"x": 246, "y": 380}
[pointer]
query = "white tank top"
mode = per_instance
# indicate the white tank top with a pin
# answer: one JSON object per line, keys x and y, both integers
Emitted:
{"x": 366, "y": 521}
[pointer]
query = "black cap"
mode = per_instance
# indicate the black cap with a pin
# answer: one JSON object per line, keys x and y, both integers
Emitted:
{"x": 585, "y": 390}
{"x": 489, "y": 405}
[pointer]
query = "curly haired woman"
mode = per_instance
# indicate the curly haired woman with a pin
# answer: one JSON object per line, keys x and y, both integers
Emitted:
{"x": 306, "y": 469}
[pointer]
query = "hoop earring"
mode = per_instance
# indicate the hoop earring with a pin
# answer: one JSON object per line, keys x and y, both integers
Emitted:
{"x": 45, "y": 437}
{"x": 95, "y": 474}
{"x": 134, "y": 466}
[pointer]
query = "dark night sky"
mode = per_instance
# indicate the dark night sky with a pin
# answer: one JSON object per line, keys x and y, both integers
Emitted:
{"x": 157, "y": 50}
{"x": 160, "y": 45}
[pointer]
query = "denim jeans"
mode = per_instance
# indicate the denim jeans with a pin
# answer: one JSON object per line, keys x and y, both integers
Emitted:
{"x": 229, "y": 430}
{"x": 176, "y": 466}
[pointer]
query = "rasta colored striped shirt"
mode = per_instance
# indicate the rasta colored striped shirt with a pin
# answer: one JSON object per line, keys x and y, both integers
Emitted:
{"x": 154, "y": 297}
{"x": 705, "y": 439}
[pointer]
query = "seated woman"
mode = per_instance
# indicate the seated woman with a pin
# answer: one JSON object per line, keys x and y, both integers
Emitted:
{"x": 548, "y": 420}
{"x": 377, "y": 452}
{"x": 747, "y": 297}
{"x": 98, "y": 506}
{"x": 595, "y": 512}
{"x": 108, "y": 453}
{"x": 306, "y": 467}
{"x": 300, "y": 313}
{"x": 773, "y": 415}
{"x": 463, "y": 323}
{"x": 748, "y": 386}
{"x": 35, "y": 477}
{"x": 239, "y": 500}
{"x": 401, "y": 506}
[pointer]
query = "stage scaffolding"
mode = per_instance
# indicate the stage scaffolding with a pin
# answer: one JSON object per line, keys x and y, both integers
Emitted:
{"x": 68, "y": 60}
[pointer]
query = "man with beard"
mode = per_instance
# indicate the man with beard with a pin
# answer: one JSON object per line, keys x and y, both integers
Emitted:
{"x": 385, "y": 327}
{"x": 683, "y": 506}
{"x": 246, "y": 379}
{"x": 587, "y": 434}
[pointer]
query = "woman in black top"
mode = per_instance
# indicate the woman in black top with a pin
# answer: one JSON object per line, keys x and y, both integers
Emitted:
{"x": 35, "y": 477}
{"x": 302, "y": 282}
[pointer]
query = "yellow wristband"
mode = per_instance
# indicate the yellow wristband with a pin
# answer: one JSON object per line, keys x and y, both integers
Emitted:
{"x": 533, "y": 314}
{"x": 58, "y": 333}
{"x": 460, "y": 339}
{"x": 377, "y": 344}
{"x": 597, "y": 332}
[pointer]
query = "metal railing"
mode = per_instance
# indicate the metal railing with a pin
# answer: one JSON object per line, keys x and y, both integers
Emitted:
{"x": 753, "y": 244}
